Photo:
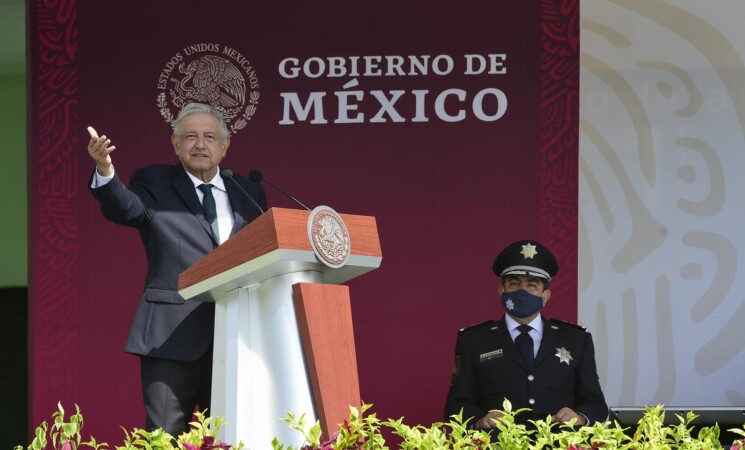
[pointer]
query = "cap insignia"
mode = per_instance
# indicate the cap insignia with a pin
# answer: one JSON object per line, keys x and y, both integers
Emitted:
{"x": 528, "y": 251}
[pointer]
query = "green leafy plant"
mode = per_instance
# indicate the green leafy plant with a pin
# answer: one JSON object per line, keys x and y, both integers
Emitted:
{"x": 449, "y": 435}
{"x": 364, "y": 431}
{"x": 312, "y": 436}
{"x": 739, "y": 444}
{"x": 146, "y": 440}
{"x": 202, "y": 434}
{"x": 64, "y": 435}
{"x": 359, "y": 432}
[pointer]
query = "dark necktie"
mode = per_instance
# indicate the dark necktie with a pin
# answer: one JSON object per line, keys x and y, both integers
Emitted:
{"x": 525, "y": 344}
{"x": 210, "y": 209}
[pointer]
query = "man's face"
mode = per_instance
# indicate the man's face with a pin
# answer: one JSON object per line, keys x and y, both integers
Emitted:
{"x": 511, "y": 283}
{"x": 200, "y": 145}
{"x": 531, "y": 284}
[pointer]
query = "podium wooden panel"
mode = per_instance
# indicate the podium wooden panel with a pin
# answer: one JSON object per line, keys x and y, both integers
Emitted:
{"x": 329, "y": 350}
{"x": 284, "y": 341}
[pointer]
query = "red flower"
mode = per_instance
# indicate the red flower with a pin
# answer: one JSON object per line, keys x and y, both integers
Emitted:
{"x": 329, "y": 445}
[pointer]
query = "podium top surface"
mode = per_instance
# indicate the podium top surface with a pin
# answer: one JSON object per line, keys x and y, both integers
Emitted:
{"x": 277, "y": 243}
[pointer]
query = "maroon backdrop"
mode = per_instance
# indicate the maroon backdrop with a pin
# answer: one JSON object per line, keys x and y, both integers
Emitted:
{"x": 447, "y": 194}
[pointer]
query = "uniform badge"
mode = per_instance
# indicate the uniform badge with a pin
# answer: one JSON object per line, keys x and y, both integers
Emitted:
{"x": 491, "y": 355}
{"x": 563, "y": 355}
{"x": 456, "y": 369}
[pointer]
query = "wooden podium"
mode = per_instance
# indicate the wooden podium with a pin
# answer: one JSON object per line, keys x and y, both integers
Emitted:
{"x": 284, "y": 341}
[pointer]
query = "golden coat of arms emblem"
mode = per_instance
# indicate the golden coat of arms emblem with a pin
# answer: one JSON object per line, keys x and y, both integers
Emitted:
{"x": 329, "y": 236}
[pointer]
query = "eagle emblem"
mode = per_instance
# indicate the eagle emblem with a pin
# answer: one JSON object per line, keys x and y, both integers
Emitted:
{"x": 212, "y": 80}
{"x": 212, "y": 74}
{"x": 329, "y": 236}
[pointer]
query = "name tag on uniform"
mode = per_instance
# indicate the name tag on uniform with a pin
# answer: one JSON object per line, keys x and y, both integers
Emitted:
{"x": 491, "y": 355}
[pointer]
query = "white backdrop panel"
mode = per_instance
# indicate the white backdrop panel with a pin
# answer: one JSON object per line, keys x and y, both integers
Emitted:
{"x": 662, "y": 210}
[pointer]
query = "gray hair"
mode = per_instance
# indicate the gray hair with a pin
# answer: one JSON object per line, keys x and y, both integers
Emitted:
{"x": 201, "y": 108}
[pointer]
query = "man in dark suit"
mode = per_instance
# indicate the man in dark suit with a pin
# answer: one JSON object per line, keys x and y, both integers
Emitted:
{"x": 547, "y": 366}
{"x": 182, "y": 212}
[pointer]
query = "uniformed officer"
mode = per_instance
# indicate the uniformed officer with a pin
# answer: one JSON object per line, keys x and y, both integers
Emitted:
{"x": 547, "y": 366}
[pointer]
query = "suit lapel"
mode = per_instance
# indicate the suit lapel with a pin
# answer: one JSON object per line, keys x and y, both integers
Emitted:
{"x": 185, "y": 189}
{"x": 548, "y": 342}
{"x": 238, "y": 206}
{"x": 503, "y": 335}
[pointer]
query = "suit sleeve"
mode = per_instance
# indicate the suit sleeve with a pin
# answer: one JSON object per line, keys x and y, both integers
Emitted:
{"x": 120, "y": 204}
{"x": 462, "y": 394}
{"x": 590, "y": 400}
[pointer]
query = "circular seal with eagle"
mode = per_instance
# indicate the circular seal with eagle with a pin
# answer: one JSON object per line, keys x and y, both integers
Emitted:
{"x": 213, "y": 74}
{"x": 329, "y": 236}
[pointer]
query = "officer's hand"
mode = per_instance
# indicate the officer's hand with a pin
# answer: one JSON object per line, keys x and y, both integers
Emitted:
{"x": 487, "y": 422}
{"x": 566, "y": 414}
{"x": 100, "y": 150}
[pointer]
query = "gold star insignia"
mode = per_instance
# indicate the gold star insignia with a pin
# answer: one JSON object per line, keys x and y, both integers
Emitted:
{"x": 528, "y": 251}
{"x": 563, "y": 355}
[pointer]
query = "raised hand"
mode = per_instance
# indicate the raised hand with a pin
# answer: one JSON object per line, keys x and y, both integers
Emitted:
{"x": 100, "y": 149}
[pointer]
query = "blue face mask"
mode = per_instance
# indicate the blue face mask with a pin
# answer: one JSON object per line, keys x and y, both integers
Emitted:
{"x": 521, "y": 303}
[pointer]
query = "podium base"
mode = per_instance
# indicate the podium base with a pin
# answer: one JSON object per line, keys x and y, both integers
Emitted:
{"x": 259, "y": 371}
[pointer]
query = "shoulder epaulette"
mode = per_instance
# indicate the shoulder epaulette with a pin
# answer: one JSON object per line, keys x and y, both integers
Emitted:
{"x": 569, "y": 324}
{"x": 471, "y": 327}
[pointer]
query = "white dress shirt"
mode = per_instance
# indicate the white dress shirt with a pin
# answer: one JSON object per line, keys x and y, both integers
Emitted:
{"x": 225, "y": 219}
{"x": 536, "y": 333}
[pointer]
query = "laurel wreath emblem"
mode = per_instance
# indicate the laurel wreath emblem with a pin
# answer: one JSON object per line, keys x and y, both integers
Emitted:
{"x": 211, "y": 78}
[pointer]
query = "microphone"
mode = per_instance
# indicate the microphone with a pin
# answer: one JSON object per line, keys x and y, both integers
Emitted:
{"x": 257, "y": 177}
{"x": 227, "y": 173}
